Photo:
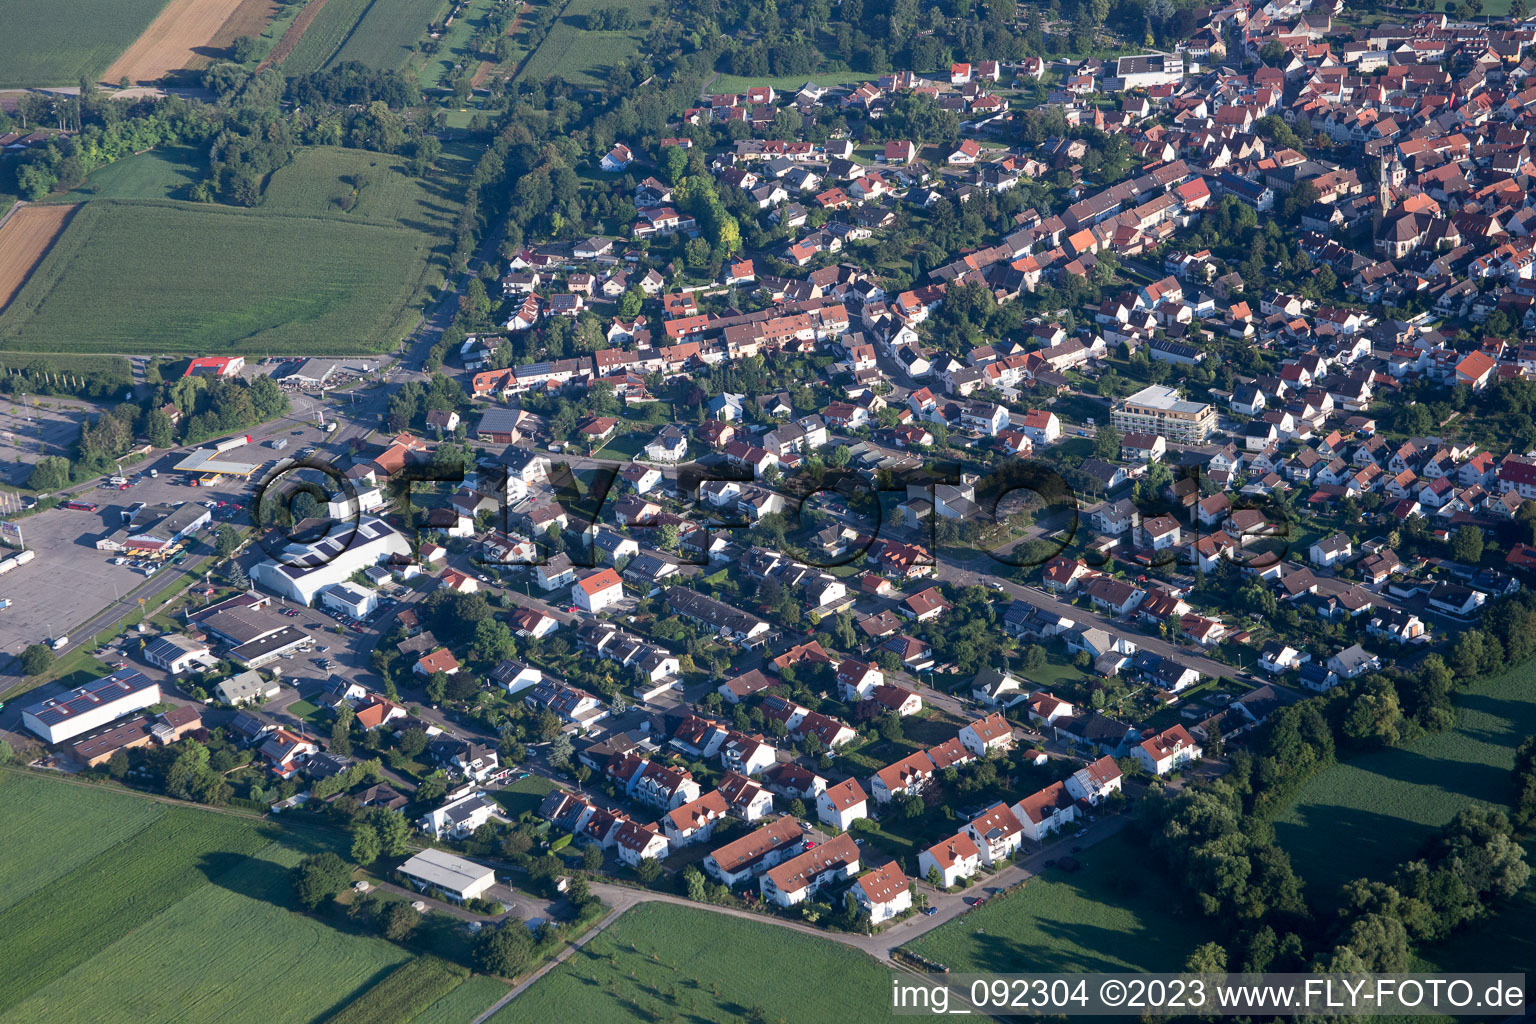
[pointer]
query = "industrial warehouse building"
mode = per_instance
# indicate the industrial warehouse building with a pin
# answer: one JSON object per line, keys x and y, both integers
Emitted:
{"x": 454, "y": 877}
{"x": 91, "y": 706}
{"x": 303, "y": 570}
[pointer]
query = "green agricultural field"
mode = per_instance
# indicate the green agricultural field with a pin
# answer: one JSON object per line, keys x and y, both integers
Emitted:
{"x": 1112, "y": 915}
{"x": 464, "y": 1003}
{"x": 122, "y": 910}
{"x": 325, "y": 36}
{"x": 168, "y": 172}
{"x": 80, "y": 913}
{"x": 663, "y": 962}
{"x": 182, "y": 965}
{"x": 38, "y": 852}
{"x": 408, "y": 991}
{"x": 386, "y": 36}
{"x": 581, "y": 57}
{"x": 299, "y": 274}
{"x": 1368, "y": 815}
{"x": 55, "y": 42}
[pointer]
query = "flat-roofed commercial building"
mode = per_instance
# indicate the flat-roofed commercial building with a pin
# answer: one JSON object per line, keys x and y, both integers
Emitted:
{"x": 454, "y": 877}
{"x": 306, "y": 569}
{"x": 1160, "y": 410}
{"x": 91, "y": 706}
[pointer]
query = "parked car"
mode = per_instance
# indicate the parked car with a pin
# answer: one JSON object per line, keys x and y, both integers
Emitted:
{"x": 930, "y": 911}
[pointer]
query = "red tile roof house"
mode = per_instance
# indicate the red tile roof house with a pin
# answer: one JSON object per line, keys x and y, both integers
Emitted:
{"x": 955, "y": 859}
{"x": 929, "y": 604}
{"x": 1167, "y": 751}
{"x": 906, "y": 777}
{"x": 1095, "y": 781}
{"x": 997, "y": 833}
{"x": 950, "y": 753}
{"x": 597, "y": 592}
{"x": 756, "y": 851}
{"x": 440, "y": 660}
{"x": 897, "y": 699}
{"x": 694, "y": 821}
{"x": 841, "y": 804}
{"x": 637, "y": 842}
{"x": 986, "y": 735}
{"x": 883, "y": 893}
{"x": 1040, "y": 814}
{"x": 799, "y": 878}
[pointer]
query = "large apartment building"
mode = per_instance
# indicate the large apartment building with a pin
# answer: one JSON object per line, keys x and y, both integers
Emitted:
{"x": 1160, "y": 410}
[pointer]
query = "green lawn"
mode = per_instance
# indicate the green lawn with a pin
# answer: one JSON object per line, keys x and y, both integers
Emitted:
{"x": 54, "y": 42}
{"x": 297, "y": 275}
{"x": 168, "y": 172}
{"x": 1112, "y": 915}
{"x": 119, "y": 909}
{"x": 661, "y": 962}
{"x": 1366, "y": 816}
{"x": 582, "y": 57}
{"x": 387, "y": 35}
{"x": 523, "y": 795}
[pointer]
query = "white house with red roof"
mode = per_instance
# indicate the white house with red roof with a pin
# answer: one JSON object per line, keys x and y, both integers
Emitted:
{"x": 1046, "y": 812}
{"x": 856, "y": 679}
{"x": 1045, "y": 708}
{"x": 617, "y": 158}
{"x": 800, "y": 878}
{"x": 906, "y": 777}
{"x": 883, "y": 893}
{"x": 986, "y": 735}
{"x": 840, "y": 805}
{"x": 694, "y": 821}
{"x": 636, "y": 842}
{"x": 599, "y": 591}
{"x": 966, "y": 154}
{"x": 956, "y": 859}
{"x": 997, "y": 834}
{"x": 1095, "y": 781}
{"x": 1042, "y": 426}
{"x": 1167, "y": 751}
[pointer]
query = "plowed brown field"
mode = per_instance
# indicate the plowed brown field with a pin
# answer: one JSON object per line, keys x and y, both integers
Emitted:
{"x": 185, "y": 35}
{"x": 24, "y": 240}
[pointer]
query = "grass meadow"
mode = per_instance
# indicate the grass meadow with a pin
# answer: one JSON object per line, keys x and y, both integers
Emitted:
{"x": 117, "y": 910}
{"x": 1112, "y": 915}
{"x": 167, "y": 172}
{"x": 582, "y": 57}
{"x": 336, "y": 259}
{"x": 664, "y": 962}
{"x": 1366, "y": 816}
{"x": 55, "y": 42}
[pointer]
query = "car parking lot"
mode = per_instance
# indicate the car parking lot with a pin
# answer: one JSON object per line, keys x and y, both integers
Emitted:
{"x": 33, "y": 427}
